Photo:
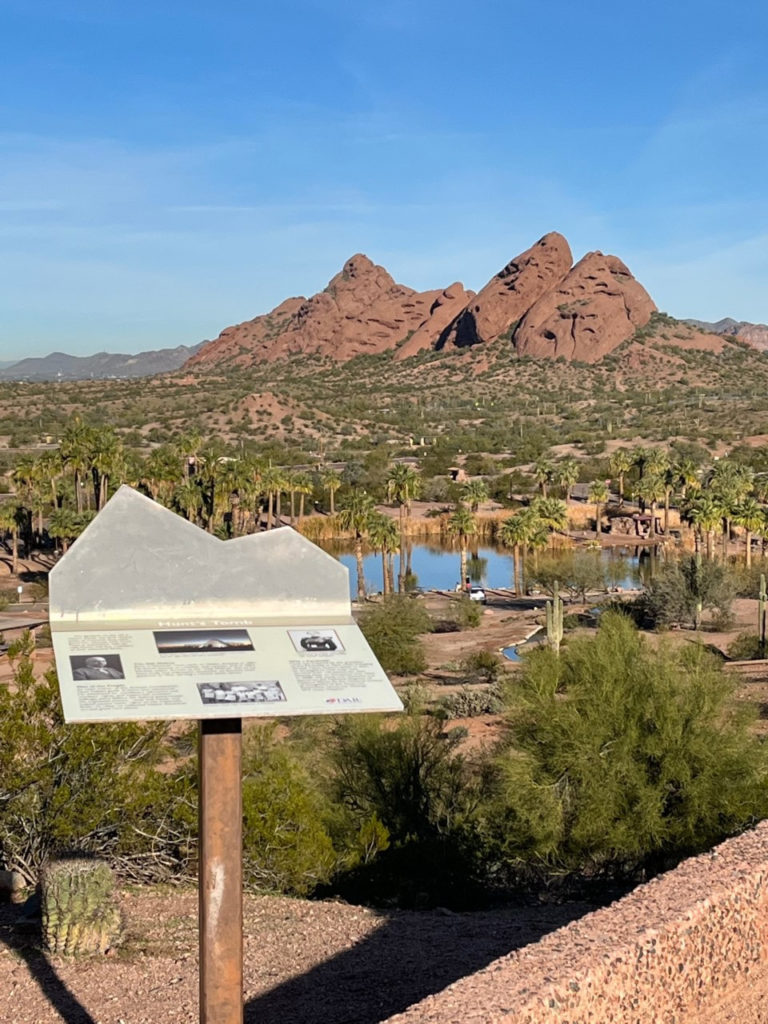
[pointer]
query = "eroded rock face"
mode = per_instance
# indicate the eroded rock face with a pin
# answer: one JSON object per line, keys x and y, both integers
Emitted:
{"x": 362, "y": 310}
{"x": 443, "y": 310}
{"x": 596, "y": 307}
{"x": 510, "y": 294}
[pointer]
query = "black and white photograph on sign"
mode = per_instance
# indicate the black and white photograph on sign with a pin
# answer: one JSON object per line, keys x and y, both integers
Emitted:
{"x": 195, "y": 641}
{"x": 268, "y": 691}
{"x": 96, "y": 666}
{"x": 308, "y": 641}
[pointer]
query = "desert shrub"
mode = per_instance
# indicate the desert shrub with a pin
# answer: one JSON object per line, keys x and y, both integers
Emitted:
{"x": 576, "y": 572}
{"x": 745, "y": 647}
{"x": 619, "y": 756}
{"x": 467, "y": 613}
{"x": 471, "y": 703}
{"x": 679, "y": 589}
{"x": 392, "y": 628}
{"x": 90, "y": 789}
{"x": 482, "y": 665}
{"x": 286, "y": 846}
{"x": 411, "y": 779}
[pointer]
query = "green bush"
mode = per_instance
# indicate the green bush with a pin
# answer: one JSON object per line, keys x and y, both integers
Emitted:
{"x": 286, "y": 846}
{"x": 467, "y": 613}
{"x": 678, "y": 588}
{"x": 745, "y": 647}
{"x": 90, "y": 789}
{"x": 619, "y": 756}
{"x": 411, "y": 782}
{"x": 471, "y": 703}
{"x": 484, "y": 666}
{"x": 392, "y": 629}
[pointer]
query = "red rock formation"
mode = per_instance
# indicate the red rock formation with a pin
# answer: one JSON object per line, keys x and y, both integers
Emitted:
{"x": 510, "y": 294}
{"x": 443, "y": 310}
{"x": 598, "y": 305}
{"x": 363, "y": 310}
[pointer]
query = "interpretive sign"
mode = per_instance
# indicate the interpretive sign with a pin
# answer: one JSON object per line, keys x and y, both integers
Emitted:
{"x": 153, "y": 618}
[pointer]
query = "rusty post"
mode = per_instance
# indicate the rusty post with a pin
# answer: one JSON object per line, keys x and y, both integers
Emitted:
{"x": 220, "y": 871}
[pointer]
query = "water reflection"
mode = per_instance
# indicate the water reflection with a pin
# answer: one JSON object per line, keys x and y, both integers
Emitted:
{"x": 434, "y": 565}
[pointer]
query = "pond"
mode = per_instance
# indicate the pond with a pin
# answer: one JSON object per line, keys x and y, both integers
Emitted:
{"x": 436, "y": 566}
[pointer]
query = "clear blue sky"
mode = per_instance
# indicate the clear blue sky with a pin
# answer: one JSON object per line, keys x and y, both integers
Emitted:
{"x": 168, "y": 168}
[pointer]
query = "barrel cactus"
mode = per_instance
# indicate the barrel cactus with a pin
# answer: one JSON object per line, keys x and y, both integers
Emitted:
{"x": 80, "y": 915}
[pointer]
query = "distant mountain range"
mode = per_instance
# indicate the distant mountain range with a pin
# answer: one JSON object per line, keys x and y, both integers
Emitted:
{"x": 754, "y": 334}
{"x": 103, "y": 365}
{"x": 541, "y": 305}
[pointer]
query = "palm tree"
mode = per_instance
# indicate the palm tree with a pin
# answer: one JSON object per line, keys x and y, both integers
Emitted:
{"x": 706, "y": 515}
{"x": 651, "y": 489}
{"x": 462, "y": 524}
{"x": 271, "y": 481}
{"x": 75, "y": 453}
{"x": 751, "y": 516}
{"x": 543, "y": 473}
{"x": 688, "y": 477}
{"x": 730, "y": 483}
{"x": 517, "y": 532}
{"x": 567, "y": 473}
{"x": 403, "y": 485}
{"x": 552, "y": 513}
{"x": 598, "y": 493}
{"x": 188, "y": 498}
{"x": 383, "y": 535}
{"x": 356, "y": 517}
{"x": 302, "y": 485}
{"x": 620, "y": 464}
{"x": 330, "y": 481}
{"x": 474, "y": 493}
{"x": 106, "y": 461}
{"x": 9, "y": 523}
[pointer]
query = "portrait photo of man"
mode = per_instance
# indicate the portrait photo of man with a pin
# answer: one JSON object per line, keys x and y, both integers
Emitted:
{"x": 97, "y": 666}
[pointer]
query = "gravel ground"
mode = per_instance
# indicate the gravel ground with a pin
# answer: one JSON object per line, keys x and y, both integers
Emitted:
{"x": 305, "y": 962}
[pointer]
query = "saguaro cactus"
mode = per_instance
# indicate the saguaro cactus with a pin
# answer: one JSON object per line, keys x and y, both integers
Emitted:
{"x": 761, "y": 623}
{"x": 555, "y": 620}
{"x": 78, "y": 907}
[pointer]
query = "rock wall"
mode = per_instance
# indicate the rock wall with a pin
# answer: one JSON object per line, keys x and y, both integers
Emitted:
{"x": 665, "y": 951}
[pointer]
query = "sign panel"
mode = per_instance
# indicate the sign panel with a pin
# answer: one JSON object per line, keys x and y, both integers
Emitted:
{"x": 152, "y": 621}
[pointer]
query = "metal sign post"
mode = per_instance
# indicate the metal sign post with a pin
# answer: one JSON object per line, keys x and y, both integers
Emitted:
{"x": 220, "y": 871}
{"x": 153, "y": 618}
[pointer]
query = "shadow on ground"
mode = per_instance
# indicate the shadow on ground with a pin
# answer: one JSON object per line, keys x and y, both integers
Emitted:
{"x": 410, "y": 957}
{"x": 21, "y": 934}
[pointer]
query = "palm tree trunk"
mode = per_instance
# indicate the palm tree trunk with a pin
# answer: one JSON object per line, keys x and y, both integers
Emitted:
{"x": 293, "y": 506}
{"x": 401, "y": 563}
{"x": 331, "y": 493}
{"x": 14, "y": 552}
{"x": 270, "y": 507}
{"x": 463, "y": 560}
{"x": 384, "y": 578}
{"x": 711, "y": 545}
{"x": 301, "y": 506}
{"x": 278, "y": 513}
{"x": 666, "y": 514}
{"x": 360, "y": 569}
{"x": 749, "y": 549}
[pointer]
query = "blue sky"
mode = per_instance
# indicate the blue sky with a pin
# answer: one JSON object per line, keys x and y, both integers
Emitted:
{"x": 169, "y": 168}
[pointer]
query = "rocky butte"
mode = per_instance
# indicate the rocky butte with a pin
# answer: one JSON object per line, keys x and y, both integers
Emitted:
{"x": 540, "y": 304}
